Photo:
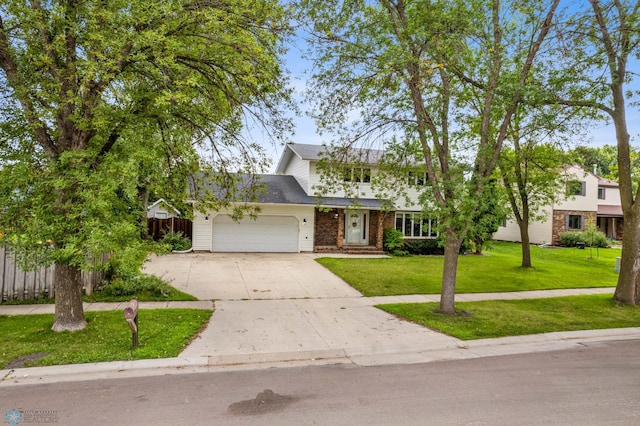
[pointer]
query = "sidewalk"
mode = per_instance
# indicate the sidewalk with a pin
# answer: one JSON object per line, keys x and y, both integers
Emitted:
{"x": 253, "y": 334}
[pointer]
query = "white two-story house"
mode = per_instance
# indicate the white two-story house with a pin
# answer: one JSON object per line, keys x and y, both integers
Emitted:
{"x": 294, "y": 217}
{"x": 587, "y": 198}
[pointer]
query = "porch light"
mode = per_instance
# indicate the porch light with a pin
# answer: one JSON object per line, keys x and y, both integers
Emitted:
{"x": 304, "y": 221}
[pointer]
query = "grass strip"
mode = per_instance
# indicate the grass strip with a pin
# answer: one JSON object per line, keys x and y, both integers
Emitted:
{"x": 499, "y": 318}
{"x": 163, "y": 333}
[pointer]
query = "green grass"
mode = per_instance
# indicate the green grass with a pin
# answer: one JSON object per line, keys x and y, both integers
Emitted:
{"x": 499, "y": 318}
{"x": 163, "y": 333}
{"x": 498, "y": 270}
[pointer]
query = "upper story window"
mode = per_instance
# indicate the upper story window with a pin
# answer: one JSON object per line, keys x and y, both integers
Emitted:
{"x": 576, "y": 187}
{"x": 601, "y": 193}
{"x": 418, "y": 179}
{"x": 357, "y": 174}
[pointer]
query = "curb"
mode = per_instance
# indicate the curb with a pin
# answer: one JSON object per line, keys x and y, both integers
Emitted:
{"x": 363, "y": 357}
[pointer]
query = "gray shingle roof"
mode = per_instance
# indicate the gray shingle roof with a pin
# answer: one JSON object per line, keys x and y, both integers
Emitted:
{"x": 284, "y": 189}
{"x": 315, "y": 152}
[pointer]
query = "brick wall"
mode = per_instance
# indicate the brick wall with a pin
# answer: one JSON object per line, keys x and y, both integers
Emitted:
{"x": 560, "y": 221}
{"x": 326, "y": 230}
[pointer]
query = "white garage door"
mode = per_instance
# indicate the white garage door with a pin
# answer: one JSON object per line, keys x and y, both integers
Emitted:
{"x": 264, "y": 234}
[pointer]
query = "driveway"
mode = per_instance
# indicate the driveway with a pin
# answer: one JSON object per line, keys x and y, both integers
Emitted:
{"x": 286, "y": 307}
{"x": 242, "y": 276}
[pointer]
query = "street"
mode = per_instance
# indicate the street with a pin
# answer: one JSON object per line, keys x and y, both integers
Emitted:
{"x": 594, "y": 385}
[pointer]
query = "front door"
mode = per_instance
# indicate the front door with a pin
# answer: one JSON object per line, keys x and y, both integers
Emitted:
{"x": 356, "y": 227}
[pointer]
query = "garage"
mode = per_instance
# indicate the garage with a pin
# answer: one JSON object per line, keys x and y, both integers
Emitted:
{"x": 264, "y": 234}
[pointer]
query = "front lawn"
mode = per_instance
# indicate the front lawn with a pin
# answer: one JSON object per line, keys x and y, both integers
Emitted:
{"x": 498, "y": 318}
{"x": 163, "y": 333}
{"x": 498, "y": 270}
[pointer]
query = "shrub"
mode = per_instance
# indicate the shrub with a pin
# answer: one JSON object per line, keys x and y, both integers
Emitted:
{"x": 425, "y": 247}
{"x": 176, "y": 241}
{"x": 146, "y": 284}
{"x": 592, "y": 239}
{"x": 393, "y": 241}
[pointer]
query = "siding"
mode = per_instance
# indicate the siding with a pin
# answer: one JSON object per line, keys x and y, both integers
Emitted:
{"x": 299, "y": 169}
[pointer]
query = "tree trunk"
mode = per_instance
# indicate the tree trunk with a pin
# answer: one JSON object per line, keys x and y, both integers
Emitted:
{"x": 69, "y": 313}
{"x": 524, "y": 237}
{"x": 451, "y": 252}
{"x": 629, "y": 278}
{"x": 526, "y": 248}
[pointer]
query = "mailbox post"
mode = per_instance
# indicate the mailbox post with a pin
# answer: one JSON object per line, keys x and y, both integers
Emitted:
{"x": 131, "y": 316}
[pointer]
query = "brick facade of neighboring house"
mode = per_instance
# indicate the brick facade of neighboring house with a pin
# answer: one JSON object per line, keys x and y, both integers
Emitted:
{"x": 583, "y": 198}
{"x": 560, "y": 222}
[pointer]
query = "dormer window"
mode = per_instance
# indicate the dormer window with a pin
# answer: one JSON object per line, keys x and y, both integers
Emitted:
{"x": 357, "y": 174}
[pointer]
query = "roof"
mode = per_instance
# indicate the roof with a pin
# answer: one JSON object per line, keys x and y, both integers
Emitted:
{"x": 607, "y": 183}
{"x": 285, "y": 189}
{"x": 162, "y": 201}
{"x": 610, "y": 211}
{"x": 316, "y": 153}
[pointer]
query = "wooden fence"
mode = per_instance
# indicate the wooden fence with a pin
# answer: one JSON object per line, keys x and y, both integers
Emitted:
{"x": 158, "y": 227}
{"x": 18, "y": 284}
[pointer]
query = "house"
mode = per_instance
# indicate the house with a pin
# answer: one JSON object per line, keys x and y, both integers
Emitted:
{"x": 294, "y": 217}
{"x": 162, "y": 210}
{"x": 587, "y": 198}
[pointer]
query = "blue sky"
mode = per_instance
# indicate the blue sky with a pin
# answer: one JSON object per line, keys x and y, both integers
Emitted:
{"x": 306, "y": 132}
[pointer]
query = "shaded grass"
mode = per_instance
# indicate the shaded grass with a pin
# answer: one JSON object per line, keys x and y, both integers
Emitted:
{"x": 499, "y": 318}
{"x": 498, "y": 270}
{"x": 163, "y": 333}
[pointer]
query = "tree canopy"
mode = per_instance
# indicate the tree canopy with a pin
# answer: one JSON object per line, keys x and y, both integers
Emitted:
{"x": 102, "y": 101}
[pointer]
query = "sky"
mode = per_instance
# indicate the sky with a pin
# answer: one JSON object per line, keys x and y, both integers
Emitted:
{"x": 306, "y": 130}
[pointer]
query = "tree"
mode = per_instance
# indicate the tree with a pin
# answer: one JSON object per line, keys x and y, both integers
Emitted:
{"x": 444, "y": 77}
{"x": 531, "y": 167}
{"x": 487, "y": 217}
{"x": 97, "y": 93}
{"x": 595, "y": 75}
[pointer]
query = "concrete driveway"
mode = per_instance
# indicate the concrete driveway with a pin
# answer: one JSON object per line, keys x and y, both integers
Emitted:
{"x": 283, "y": 307}
{"x": 242, "y": 276}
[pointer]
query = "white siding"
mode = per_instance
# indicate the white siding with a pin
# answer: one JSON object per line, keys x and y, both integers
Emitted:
{"x": 587, "y": 202}
{"x": 299, "y": 169}
{"x": 539, "y": 232}
{"x": 611, "y": 197}
{"x": 364, "y": 189}
{"x": 201, "y": 232}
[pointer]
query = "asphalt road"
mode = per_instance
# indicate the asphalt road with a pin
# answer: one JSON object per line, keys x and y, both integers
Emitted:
{"x": 598, "y": 384}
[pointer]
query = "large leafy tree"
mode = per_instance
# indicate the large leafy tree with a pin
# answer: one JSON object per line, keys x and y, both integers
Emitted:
{"x": 603, "y": 38}
{"x": 99, "y": 96}
{"x": 445, "y": 77}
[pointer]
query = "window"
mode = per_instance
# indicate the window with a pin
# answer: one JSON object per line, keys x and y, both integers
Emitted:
{"x": 412, "y": 225}
{"x": 574, "y": 221}
{"x": 418, "y": 179}
{"x": 576, "y": 187}
{"x": 357, "y": 174}
{"x": 601, "y": 193}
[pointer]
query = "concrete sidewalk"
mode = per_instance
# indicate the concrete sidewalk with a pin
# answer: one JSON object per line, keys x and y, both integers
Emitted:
{"x": 287, "y": 310}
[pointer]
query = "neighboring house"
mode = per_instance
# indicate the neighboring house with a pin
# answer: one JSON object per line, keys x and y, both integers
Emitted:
{"x": 294, "y": 218}
{"x": 162, "y": 210}
{"x": 588, "y": 199}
